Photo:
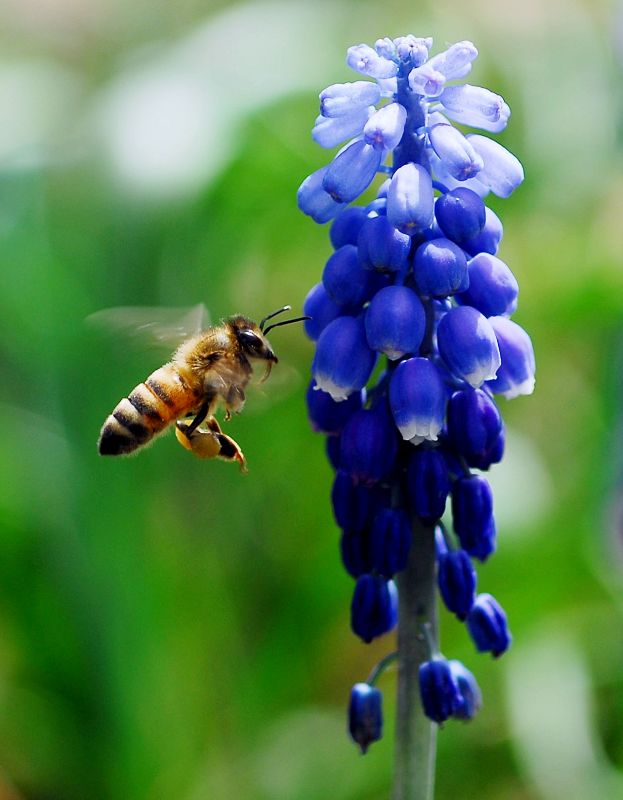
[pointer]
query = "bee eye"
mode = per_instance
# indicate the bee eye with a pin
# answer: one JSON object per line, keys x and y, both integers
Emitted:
{"x": 250, "y": 340}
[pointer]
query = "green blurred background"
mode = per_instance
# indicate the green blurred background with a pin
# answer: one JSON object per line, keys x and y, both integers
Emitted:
{"x": 172, "y": 629}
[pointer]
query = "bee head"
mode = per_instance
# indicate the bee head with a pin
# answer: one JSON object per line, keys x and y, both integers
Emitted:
{"x": 252, "y": 340}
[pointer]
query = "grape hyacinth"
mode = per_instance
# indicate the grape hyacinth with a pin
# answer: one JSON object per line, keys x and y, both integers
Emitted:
{"x": 414, "y": 280}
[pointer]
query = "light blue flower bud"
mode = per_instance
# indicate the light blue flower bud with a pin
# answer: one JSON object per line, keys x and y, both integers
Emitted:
{"x": 426, "y": 80}
{"x": 341, "y": 99}
{"x": 468, "y": 345}
{"x": 502, "y": 172}
{"x": 331, "y": 131}
{"x": 343, "y": 361}
{"x": 410, "y": 199}
{"x": 314, "y": 201}
{"x": 363, "y": 59}
{"x": 413, "y": 49}
{"x": 456, "y": 153}
{"x": 456, "y": 61}
{"x": 395, "y": 322}
{"x": 476, "y": 107}
{"x": 493, "y": 289}
{"x": 385, "y": 127}
{"x": 417, "y": 397}
{"x": 516, "y": 374}
{"x": 352, "y": 171}
{"x": 386, "y": 48}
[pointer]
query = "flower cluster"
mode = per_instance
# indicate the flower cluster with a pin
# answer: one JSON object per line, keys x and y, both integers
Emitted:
{"x": 414, "y": 276}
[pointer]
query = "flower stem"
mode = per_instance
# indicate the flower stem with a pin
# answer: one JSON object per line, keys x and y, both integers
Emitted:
{"x": 416, "y": 735}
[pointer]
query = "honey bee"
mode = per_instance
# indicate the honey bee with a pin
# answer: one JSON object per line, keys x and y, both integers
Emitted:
{"x": 209, "y": 370}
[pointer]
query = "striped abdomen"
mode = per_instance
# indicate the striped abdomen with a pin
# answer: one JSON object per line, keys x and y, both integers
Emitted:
{"x": 153, "y": 405}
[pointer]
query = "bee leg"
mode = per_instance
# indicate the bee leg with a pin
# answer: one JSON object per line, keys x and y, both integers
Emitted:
{"x": 210, "y": 442}
{"x": 199, "y": 417}
{"x": 234, "y": 401}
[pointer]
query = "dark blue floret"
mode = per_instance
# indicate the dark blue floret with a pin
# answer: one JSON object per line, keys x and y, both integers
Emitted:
{"x": 489, "y": 238}
{"x": 374, "y": 609}
{"x": 381, "y": 246}
{"x": 346, "y": 282}
{"x": 438, "y": 690}
{"x": 327, "y": 416}
{"x": 488, "y": 626}
{"x": 472, "y": 516}
{"x": 369, "y": 445}
{"x": 333, "y": 447}
{"x": 493, "y": 289}
{"x": 351, "y": 503}
{"x": 469, "y": 692}
{"x": 365, "y": 715}
{"x": 346, "y": 226}
{"x": 322, "y": 309}
{"x": 355, "y": 552}
{"x": 390, "y": 541}
{"x": 395, "y": 322}
{"x": 460, "y": 214}
{"x": 343, "y": 362}
{"x": 456, "y": 578}
{"x": 428, "y": 484}
{"x": 440, "y": 268}
{"x": 474, "y": 426}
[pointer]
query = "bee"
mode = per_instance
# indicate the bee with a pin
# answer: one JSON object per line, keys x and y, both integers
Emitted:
{"x": 209, "y": 370}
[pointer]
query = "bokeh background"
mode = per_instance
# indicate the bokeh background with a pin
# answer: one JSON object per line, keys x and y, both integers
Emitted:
{"x": 172, "y": 629}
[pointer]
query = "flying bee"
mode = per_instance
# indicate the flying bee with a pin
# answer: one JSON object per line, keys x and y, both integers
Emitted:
{"x": 209, "y": 370}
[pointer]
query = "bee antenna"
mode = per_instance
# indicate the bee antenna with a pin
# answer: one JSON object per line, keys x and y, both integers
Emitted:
{"x": 274, "y": 314}
{"x": 285, "y": 322}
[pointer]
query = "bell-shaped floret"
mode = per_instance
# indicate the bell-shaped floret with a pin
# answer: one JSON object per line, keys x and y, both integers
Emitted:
{"x": 365, "y": 715}
{"x": 469, "y": 692}
{"x": 455, "y": 152}
{"x": 461, "y": 214}
{"x": 502, "y": 172}
{"x": 355, "y": 552}
{"x": 438, "y": 690}
{"x": 395, "y": 322}
{"x": 331, "y": 131}
{"x": 489, "y": 238}
{"x": 468, "y": 345}
{"x": 474, "y": 425}
{"x": 417, "y": 397}
{"x": 381, "y": 246}
{"x": 488, "y": 626}
{"x": 374, "y": 607}
{"x": 314, "y": 201}
{"x": 427, "y": 484}
{"x": 413, "y": 50}
{"x": 516, "y": 375}
{"x": 456, "y": 578}
{"x": 472, "y": 516}
{"x": 343, "y": 361}
{"x": 410, "y": 199}
{"x": 346, "y": 281}
{"x": 476, "y": 107}
{"x": 351, "y": 171}
{"x": 369, "y": 445}
{"x": 342, "y": 99}
{"x": 363, "y": 59}
{"x": 493, "y": 289}
{"x": 346, "y": 226}
{"x": 440, "y": 268}
{"x": 385, "y": 127}
{"x": 390, "y": 541}
{"x": 327, "y": 416}
{"x": 322, "y": 309}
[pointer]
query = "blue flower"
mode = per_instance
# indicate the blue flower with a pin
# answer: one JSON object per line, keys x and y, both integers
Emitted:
{"x": 488, "y": 626}
{"x": 365, "y": 715}
{"x": 438, "y": 690}
{"x": 415, "y": 278}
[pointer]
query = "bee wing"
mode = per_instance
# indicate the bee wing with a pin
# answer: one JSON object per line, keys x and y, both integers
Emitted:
{"x": 284, "y": 380}
{"x": 160, "y": 327}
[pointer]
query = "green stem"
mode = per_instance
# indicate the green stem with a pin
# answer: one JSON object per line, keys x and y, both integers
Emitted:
{"x": 416, "y": 735}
